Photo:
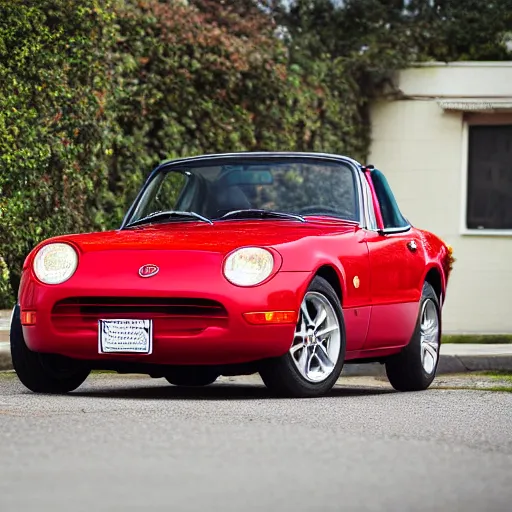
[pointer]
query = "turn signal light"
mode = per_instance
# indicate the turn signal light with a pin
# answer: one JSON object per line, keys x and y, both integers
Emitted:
{"x": 272, "y": 317}
{"x": 28, "y": 318}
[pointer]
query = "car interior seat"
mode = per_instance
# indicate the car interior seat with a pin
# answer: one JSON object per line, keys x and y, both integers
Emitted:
{"x": 229, "y": 198}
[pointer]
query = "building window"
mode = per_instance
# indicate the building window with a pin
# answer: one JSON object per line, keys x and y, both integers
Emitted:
{"x": 489, "y": 192}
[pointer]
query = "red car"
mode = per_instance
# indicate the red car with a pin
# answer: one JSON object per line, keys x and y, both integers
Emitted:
{"x": 286, "y": 264}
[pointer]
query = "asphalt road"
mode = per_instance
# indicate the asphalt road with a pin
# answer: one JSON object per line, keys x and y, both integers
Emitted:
{"x": 123, "y": 444}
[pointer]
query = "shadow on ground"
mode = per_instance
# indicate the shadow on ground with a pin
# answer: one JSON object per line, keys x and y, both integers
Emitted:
{"x": 214, "y": 392}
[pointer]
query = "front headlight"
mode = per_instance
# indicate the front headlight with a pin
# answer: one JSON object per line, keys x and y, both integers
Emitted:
{"x": 248, "y": 266}
{"x": 55, "y": 263}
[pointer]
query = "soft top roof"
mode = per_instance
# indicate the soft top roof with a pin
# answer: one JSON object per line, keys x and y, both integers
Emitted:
{"x": 260, "y": 154}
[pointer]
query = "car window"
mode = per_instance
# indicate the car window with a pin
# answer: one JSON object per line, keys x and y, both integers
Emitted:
{"x": 168, "y": 193}
{"x": 391, "y": 215}
{"x": 307, "y": 189}
{"x": 214, "y": 188}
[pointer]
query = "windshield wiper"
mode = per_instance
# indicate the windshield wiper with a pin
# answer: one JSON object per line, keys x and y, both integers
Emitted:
{"x": 249, "y": 213}
{"x": 156, "y": 216}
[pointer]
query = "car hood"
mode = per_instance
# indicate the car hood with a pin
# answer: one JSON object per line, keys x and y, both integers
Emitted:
{"x": 221, "y": 237}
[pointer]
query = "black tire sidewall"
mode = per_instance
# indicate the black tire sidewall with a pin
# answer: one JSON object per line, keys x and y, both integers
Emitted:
{"x": 29, "y": 366}
{"x": 289, "y": 377}
{"x": 405, "y": 370}
{"x": 428, "y": 293}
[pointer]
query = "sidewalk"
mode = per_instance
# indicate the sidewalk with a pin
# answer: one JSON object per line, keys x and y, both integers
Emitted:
{"x": 455, "y": 358}
{"x": 5, "y": 353}
{"x": 5, "y": 320}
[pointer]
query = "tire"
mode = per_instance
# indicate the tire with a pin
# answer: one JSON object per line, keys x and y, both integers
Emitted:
{"x": 288, "y": 375}
{"x": 192, "y": 377}
{"x": 43, "y": 373}
{"x": 414, "y": 368}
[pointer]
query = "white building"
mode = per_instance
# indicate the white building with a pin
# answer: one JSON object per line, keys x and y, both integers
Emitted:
{"x": 445, "y": 146}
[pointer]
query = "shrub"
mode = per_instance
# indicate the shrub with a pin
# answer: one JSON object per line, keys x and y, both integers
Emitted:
{"x": 54, "y": 121}
{"x": 6, "y": 296}
{"x": 199, "y": 78}
{"x": 97, "y": 92}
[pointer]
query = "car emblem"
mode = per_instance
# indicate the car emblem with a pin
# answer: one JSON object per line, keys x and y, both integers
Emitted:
{"x": 148, "y": 270}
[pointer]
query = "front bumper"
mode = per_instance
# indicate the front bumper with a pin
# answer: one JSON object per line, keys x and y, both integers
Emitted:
{"x": 197, "y": 316}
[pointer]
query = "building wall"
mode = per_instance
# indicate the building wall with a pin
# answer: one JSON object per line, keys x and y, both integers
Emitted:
{"x": 458, "y": 79}
{"x": 422, "y": 150}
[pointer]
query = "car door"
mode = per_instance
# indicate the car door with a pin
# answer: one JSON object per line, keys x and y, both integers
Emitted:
{"x": 397, "y": 263}
{"x": 354, "y": 258}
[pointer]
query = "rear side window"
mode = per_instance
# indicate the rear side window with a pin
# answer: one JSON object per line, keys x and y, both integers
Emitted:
{"x": 391, "y": 214}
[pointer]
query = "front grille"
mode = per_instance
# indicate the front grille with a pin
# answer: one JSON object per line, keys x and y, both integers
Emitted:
{"x": 169, "y": 314}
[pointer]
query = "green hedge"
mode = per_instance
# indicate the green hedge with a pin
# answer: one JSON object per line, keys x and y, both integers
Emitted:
{"x": 95, "y": 93}
{"x": 6, "y": 295}
{"x": 194, "y": 80}
{"x": 55, "y": 124}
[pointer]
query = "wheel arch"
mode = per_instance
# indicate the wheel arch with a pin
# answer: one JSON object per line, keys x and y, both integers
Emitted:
{"x": 332, "y": 275}
{"x": 434, "y": 278}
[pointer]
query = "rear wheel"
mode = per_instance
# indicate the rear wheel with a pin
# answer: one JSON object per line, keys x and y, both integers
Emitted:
{"x": 43, "y": 373}
{"x": 315, "y": 360}
{"x": 192, "y": 377}
{"x": 414, "y": 368}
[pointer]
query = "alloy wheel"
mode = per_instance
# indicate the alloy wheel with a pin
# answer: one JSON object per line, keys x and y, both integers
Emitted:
{"x": 429, "y": 336}
{"x": 317, "y": 342}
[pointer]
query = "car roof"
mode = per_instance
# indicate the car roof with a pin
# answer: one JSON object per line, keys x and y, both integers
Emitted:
{"x": 262, "y": 154}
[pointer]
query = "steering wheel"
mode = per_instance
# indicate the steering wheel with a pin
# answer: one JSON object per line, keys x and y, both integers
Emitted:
{"x": 318, "y": 209}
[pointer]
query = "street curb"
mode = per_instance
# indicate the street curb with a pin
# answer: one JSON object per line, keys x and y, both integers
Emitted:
{"x": 447, "y": 364}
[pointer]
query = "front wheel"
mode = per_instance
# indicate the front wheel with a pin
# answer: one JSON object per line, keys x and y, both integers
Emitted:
{"x": 414, "y": 368}
{"x": 314, "y": 362}
{"x": 43, "y": 373}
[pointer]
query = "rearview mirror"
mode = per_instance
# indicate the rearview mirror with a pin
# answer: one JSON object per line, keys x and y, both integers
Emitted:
{"x": 248, "y": 177}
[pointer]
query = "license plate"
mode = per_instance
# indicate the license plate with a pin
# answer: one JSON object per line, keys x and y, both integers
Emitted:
{"x": 132, "y": 336}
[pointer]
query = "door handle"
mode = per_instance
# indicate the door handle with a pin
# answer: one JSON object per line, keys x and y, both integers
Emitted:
{"x": 412, "y": 246}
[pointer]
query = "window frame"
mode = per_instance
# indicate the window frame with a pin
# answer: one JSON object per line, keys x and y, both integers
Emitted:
{"x": 378, "y": 224}
{"x": 369, "y": 217}
{"x": 183, "y": 164}
{"x": 476, "y": 120}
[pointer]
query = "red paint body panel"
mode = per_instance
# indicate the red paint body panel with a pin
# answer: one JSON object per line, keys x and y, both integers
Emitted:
{"x": 202, "y": 332}
{"x": 396, "y": 271}
{"x": 220, "y": 238}
{"x": 373, "y": 354}
{"x": 109, "y": 264}
{"x": 436, "y": 257}
{"x": 391, "y": 325}
{"x": 396, "y": 280}
{"x": 205, "y": 324}
{"x": 357, "y": 322}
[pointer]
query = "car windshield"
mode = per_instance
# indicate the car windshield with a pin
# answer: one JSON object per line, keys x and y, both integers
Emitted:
{"x": 240, "y": 188}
